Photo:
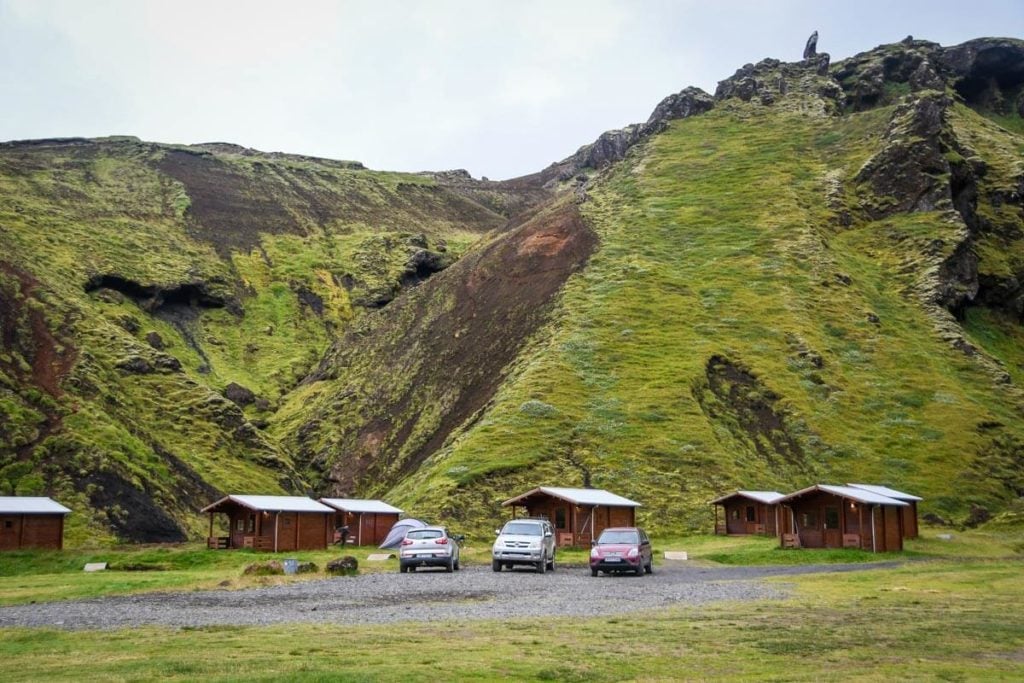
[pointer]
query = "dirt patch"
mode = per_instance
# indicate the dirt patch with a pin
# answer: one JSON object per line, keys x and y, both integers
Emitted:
{"x": 50, "y": 359}
{"x": 733, "y": 396}
{"x": 133, "y": 514}
{"x": 424, "y": 366}
{"x": 544, "y": 244}
{"x": 231, "y": 205}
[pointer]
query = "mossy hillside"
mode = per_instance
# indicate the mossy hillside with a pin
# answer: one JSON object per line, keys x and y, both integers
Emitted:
{"x": 723, "y": 239}
{"x": 69, "y": 212}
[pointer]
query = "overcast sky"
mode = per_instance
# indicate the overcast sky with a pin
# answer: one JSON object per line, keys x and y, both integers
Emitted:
{"x": 498, "y": 88}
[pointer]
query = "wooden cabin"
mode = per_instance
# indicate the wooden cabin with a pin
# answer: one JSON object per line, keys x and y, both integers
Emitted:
{"x": 274, "y": 523}
{"x": 748, "y": 512}
{"x": 578, "y": 515}
{"x": 368, "y": 521}
{"x": 910, "y": 526}
{"x": 31, "y": 522}
{"x": 825, "y": 516}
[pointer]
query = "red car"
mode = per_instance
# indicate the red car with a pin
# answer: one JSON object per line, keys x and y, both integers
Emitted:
{"x": 622, "y": 549}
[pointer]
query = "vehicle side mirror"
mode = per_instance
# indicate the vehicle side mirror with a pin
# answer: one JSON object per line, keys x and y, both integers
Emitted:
{"x": 592, "y": 543}
{"x": 497, "y": 532}
{"x": 459, "y": 538}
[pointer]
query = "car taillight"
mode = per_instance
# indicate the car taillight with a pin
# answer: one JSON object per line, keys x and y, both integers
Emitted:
{"x": 441, "y": 541}
{"x": 406, "y": 541}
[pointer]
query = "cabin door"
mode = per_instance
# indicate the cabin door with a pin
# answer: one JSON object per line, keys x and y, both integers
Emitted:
{"x": 833, "y": 532}
{"x": 238, "y": 526}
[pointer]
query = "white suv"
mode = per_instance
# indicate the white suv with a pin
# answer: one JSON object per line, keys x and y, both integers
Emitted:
{"x": 524, "y": 541}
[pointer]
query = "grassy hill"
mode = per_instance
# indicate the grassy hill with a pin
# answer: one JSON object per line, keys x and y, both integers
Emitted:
{"x": 143, "y": 286}
{"x": 786, "y": 290}
{"x": 814, "y": 274}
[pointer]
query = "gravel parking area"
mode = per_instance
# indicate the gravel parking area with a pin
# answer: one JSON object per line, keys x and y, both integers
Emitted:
{"x": 423, "y": 596}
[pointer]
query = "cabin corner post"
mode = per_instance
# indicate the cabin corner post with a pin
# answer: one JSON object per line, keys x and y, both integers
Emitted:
{"x": 277, "y": 518}
{"x": 874, "y": 547}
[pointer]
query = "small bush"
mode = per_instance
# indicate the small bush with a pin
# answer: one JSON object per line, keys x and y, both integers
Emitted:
{"x": 343, "y": 566}
{"x": 537, "y": 408}
{"x": 268, "y": 568}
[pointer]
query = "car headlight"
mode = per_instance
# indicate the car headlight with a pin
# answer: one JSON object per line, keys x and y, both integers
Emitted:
{"x": 633, "y": 552}
{"x": 594, "y": 552}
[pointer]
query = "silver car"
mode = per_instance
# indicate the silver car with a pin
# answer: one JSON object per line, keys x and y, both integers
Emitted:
{"x": 429, "y": 546}
{"x": 524, "y": 541}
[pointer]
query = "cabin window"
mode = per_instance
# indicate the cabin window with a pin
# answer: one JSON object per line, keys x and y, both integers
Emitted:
{"x": 252, "y": 523}
{"x": 809, "y": 520}
{"x": 560, "y": 518}
{"x": 831, "y": 518}
{"x": 751, "y": 514}
{"x": 240, "y": 524}
{"x": 735, "y": 514}
{"x": 8, "y": 524}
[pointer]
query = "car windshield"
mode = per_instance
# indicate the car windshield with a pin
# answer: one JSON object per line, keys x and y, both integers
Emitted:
{"x": 522, "y": 529}
{"x": 424, "y": 533}
{"x": 615, "y": 537}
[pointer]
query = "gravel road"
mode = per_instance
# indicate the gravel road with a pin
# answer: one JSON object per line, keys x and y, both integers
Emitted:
{"x": 423, "y": 596}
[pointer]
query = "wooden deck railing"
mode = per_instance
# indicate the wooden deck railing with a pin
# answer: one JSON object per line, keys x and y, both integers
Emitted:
{"x": 258, "y": 542}
{"x": 218, "y": 542}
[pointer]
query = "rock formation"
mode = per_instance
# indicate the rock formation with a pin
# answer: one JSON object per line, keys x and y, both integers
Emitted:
{"x": 811, "y": 48}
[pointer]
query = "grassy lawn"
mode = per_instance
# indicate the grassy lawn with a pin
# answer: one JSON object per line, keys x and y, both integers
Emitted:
{"x": 946, "y": 620}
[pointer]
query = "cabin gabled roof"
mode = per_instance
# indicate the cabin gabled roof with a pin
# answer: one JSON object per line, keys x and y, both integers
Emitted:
{"x": 849, "y": 492}
{"x": 767, "y": 497}
{"x": 578, "y": 496}
{"x": 887, "y": 492}
{"x": 31, "y": 505}
{"x": 270, "y": 504}
{"x": 363, "y": 505}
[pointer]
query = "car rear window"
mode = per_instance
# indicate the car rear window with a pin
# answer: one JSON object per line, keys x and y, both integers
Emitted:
{"x": 523, "y": 529}
{"x": 610, "y": 537}
{"x": 424, "y": 533}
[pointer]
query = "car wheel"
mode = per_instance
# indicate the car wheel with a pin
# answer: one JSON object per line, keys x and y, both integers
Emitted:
{"x": 457, "y": 565}
{"x": 495, "y": 566}
{"x": 593, "y": 572}
{"x": 412, "y": 568}
{"x": 650, "y": 567}
{"x": 402, "y": 569}
{"x": 551, "y": 563}
{"x": 639, "y": 570}
{"x": 450, "y": 567}
{"x": 542, "y": 566}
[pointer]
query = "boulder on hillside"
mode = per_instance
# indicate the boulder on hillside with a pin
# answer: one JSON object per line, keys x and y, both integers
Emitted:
{"x": 155, "y": 340}
{"x": 239, "y": 395}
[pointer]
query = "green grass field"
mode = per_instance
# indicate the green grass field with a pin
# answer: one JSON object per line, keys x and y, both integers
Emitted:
{"x": 957, "y": 616}
{"x": 955, "y": 611}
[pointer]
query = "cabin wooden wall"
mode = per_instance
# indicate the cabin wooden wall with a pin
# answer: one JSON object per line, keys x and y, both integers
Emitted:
{"x": 910, "y": 520}
{"x": 31, "y": 531}
{"x": 575, "y": 519}
{"x": 853, "y": 520}
{"x": 737, "y": 524}
{"x": 295, "y": 530}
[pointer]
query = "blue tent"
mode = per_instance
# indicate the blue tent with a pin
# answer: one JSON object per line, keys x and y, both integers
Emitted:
{"x": 398, "y": 531}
